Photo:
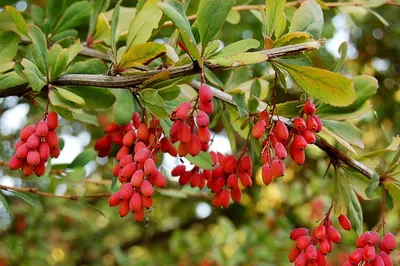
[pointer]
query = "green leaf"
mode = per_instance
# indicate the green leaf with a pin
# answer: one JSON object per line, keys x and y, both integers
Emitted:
{"x": 293, "y": 38}
{"x": 94, "y": 97}
{"x": 8, "y": 46}
{"x": 378, "y": 16}
{"x": 35, "y": 78}
{"x": 39, "y": 48}
{"x": 71, "y": 97}
{"x": 211, "y": 77}
{"x": 370, "y": 190}
{"x": 143, "y": 24}
{"x": 229, "y": 130}
{"x": 394, "y": 191}
{"x": 355, "y": 213}
{"x": 18, "y": 20}
{"x": 246, "y": 88}
{"x": 64, "y": 34}
{"x": 54, "y": 8}
{"x": 103, "y": 30}
{"x": 203, "y": 160}
{"x": 74, "y": 50}
{"x": 74, "y": 15}
{"x": 274, "y": 12}
{"x": 289, "y": 108}
{"x": 236, "y": 122}
{"x": 365, "y": 87}
{"x": 4, "y": 67}
{"x": 346, "y": 130}
{"x": 10, "y": 80}
{"x": 300, "y": 60}
{"x": 237, "y": 48}
{"x": 240, "y": 102}
{"x": 90, "y": 66}
{"x": 308, "y": 18}
{"x": 255, "y": 89}
{"x": 210, "y": 18}
{"x": 343, "y": 53}
{"x": 175, "y": 12}
{"x": 169, "y": 93}
{"x": 318, "y": 84}
{"x": 375, "y": 3}
{"x": 28, "y": 198}
{"x": 252, "y": 104}
{"x": 342, "y": 192}
{"x": 60, "y": 64}
{"x": 98, "y": 7}
{"x": 114, "y": 25}
{"x": 233, "y": 17}
{"x": 91, "y": 206}
{"x": 240, "y": 59}
{"x": 123, "y": 107}
{"x": 83, "y": 158}
{"x": 154, "y": 103}
{"x": 86, "y": 118}
{"x": 142, "y": 54}
{"x": 211, "y": 48}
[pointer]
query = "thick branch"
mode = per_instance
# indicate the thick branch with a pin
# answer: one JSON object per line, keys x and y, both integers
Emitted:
{"x": 139, "y": 78}
{"x": 320, "y": 143}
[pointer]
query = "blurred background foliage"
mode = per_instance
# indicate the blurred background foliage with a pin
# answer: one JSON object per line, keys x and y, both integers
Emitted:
{"x": 186, "y": 230}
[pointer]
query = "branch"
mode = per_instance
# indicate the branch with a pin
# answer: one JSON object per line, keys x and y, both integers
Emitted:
{"x": 320, "y": 143}
{"x": 123, "y": 82}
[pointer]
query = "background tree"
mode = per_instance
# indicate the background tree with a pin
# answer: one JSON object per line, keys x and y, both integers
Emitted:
{"x": 97, "y": 63}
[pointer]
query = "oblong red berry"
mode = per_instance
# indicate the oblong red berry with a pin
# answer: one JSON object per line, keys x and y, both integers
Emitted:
{"x": 128, "y": 170}
{"x": 125, "y": 160}
{"x": 102, "y": 144}
{"x": 19, "y": 144}
{"x": 333, "y": 234}
{"x": 388, "y": 241}
{"x": 294, "y": 253}
{"x": 229, "y": 164}
{"x": 298, "y": 156}
{"x": 278, "y": 168}
{"x": 308, "y": 136}
{"x": 298, "y": 232}
{"x": 52, "y": 120}
{"x": 236, "y": 194}
{"x": 207, "y": 107}
{"x": 123, "y": 208}
{"x": 42, "y": 128}
{"x": 204, "y": 134}
{"x": 22, "y": 151}
{"x": 44, "y": 151}
{"x": 344, "y": 222}
{"x": 205, "y": 93}
{"x": 185, "y": 134}
{"x": 216, "y": 202}
{"x": 139, "y": 215}
{"x": 159, "y": 180}
{"x": 224, "y": 198}
{"x": 184, "y": 178}
{"x": 142, "y": 155}
{"x": 195, "y": 180}
{"x": 311, "y": 124}
{"x": 299, "y": 142}
{"x": 183, "y": 149}
{"x": 129, "y": 138}
{"x": 178, "y": 170}
{"x": 183, "y": 110}
{"x": 194, "y": 147}
{"x": 303, "y": 242}
{"x": 281, "y": 130}
{"x": 142, "y": 132}
{"x": 27, "y": 168}
{"x": 386, "y": 259}
{"x": 114, "y": 199}
{"x": 319, "y": 123}
{"x": 136, "y": 119}
{"x": 320, "y": 232}
{"x": 137, "y": 179}
{"x": 259, "y": 129}
{"x": 324, "y": 246}
{"x": 266, "y": 174}
{"x": 280, "y": 150}
{"x": 299, "y": 124}
{"x": 321, "y": 260}
{"x": 15, "y": 163}
{"x": 33, "y": 157}
{"x": 373, "y": 240}
{"x": 135, "y": 203}
{"x": 218, "y": 185}
{"x": 363, "y": 239}
{"x": 232, "y": 181}
{"x": 55, "y": 152}
{"x": 33, "y": 142}
{"x": 311, "y": 253}
{"x": 202, "y": 119}
{"x": 309, "y": 108}
{"x": 356, "y": 256}
{"x": 126, "y": 191}
{"x": 111, "y": 128}
{"x": 369, "y": 253}
{"x": 150, "y": 168}
{"x": 245, "y": 179}
{"x": 52, "y": 139}
{"x": 147, "y": 202}
{"x": 301, "y": 260}
{"x": 26, "y": 132}
{"x": 147, "y": 189}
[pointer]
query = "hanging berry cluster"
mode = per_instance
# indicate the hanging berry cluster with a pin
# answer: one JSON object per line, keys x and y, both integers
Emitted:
{"x": 38, "y": 142}
{"x": 192, "y": 132}
{"x": 136, "y": 168}
{"x": 223, "y": 179}
{"x": 312, "y": 247}
{"x": 366, "y": 251}
{"x": 280, "y": 137}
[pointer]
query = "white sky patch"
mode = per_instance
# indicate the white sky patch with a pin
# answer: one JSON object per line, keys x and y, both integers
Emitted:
{"x": 13, "y": 119}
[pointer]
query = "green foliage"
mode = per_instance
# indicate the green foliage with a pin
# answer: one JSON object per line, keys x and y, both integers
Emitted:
{"x": 308, "y": 18}
{"x": 123, "y": 107}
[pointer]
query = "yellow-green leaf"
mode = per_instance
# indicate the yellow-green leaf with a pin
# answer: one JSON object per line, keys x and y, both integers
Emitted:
{"x": 293, "y": 38}
{"x": 274, "y": 12}
{"x": 8, "y": 46}
{"x": 142, "y": 54}
{"x": 308, "y": 18}
{"x": 18, "y": 20}
{"x": 239, "y": 59}
{"x": 71, "y": 97}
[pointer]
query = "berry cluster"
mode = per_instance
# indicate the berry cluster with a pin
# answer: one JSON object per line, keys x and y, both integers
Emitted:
{"x": 223, "y": 179}
{"x": 192, "y": 132}
{"x": 279, "y": 137}
{"x": 312, "y": 248}
{"x": 38, "y": 142}
{"x": 366, "y": 251}
{"x": 114, "y": 134}
{"x": 136, "y": 168}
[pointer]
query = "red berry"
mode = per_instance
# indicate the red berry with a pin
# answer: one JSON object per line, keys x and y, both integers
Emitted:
{"x": 298, "y": 232}
{"x": 128, "y": 171}
{"x": 178, "y": 170}
{"x": 301, "y": 260}
{"x": 137, "y": 179}
{"x": 320, "y": 232}
{"x": 183, "y": 149}
{"x": 195, "y": 180}
{"x": 19, "y": 144}
{"x": 264, "y": 115}
{"x": 138, "y": 146}
{"x": 52, "y": 139}
{"x": 259, "y": 129}
{"x": 356, "y": 256}
{"x": 136, "y": 120}
{"x": 297, "y": 155}
{"x": 111, "y": 128}
{"x": 126, "y": 191}
{"x": 207, "y": 107}
{"x": 216, "y": 202}
{"x": 27, "y": 132}
{"x": 299, "y": 124}
{"x": 52, "y": 120}
{"x": 386, "y": 259}
{"x": 224, "y": 198}
{"x": 202, "y": 119}
{"x": 194, "y": 147}
{"x": 33, "y": 157}
{"x": 139, "y": 215}
{"x": 185, "y": 134}
{"x": 229, "y": 164}
{"x": 205, "y": 93}
{"x": 378, "y": 261}
{"x": 124, "y": 208}
{"x": 311, "y": 253}
{"x": 55, "y": 152}
{"x": 321, "y": 260}
{"x": 236, "y": 194}
{"x": 245, "y": 179}
{"x": 218, "y": 185}
{"x": 147, "y": 188}
{"x": 160, "y": 180}
{"x": 311, "y": 124}
{"x": 373, "y": 239}
{"x": 319, "y": 123}
{"x": 15, "y": 163}
{"x": 125, "y": 160}
{"x": 184, "y": 179}
{"x": 150, "y": 168}
{"x": 27, "y": 168}
{"x": 308, "y": 136}
{"x": 42, "y": 128}
{"x": 369, "y": 253}
{"x": 333, "y": 234}
{"x": 309, "y": 108}
{"x": 183, "y": 110}
{"x": 204, "y": 134}
{"x": 135, "y": 202}
{"x": 142, "y": 155}
{"x": 281, "y": 130}
{"x": 344, "y": 222}
{"x": 44, "y": 151}
{"x": 102, "y": 144}
{"x": 325, "y": 246}
{"x": 129, "y": 138}
{"x": 388, "y": 241}
{"x": 22, "y": 151}
{"x": 114, "y": 199}
{"x": 280, "y": 150}
{"x": 278, "y": 168}
{"x": 232, "y": 181}
{"x": 299, "y": 142}
{"x": 147, "y": 202}
{"x": 303, "y": 242}
{"x": 33, "y": 142}
{"x": 142, "y": 132}
{"x": 266, "y": 174}
{"x": 294, "y": 253}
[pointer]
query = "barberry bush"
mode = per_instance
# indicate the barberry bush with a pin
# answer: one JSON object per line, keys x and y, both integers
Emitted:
{"x": 211, "y": 132}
